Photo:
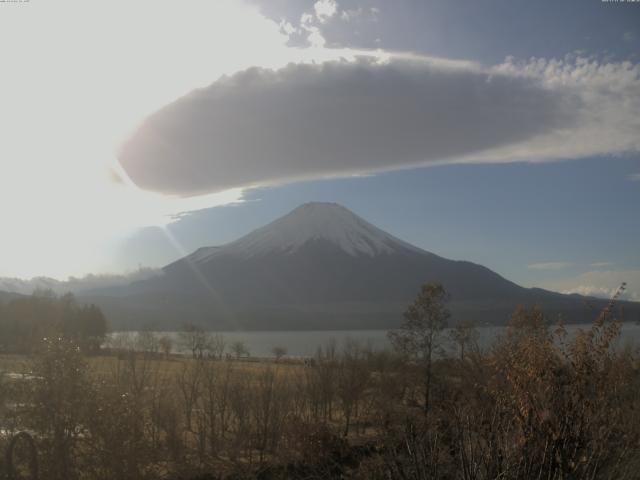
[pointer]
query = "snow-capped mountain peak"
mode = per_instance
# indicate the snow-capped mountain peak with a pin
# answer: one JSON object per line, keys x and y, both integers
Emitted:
{"x": 327, "y": 222}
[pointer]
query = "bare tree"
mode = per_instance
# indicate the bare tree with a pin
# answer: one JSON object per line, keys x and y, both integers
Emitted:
{"x": 194, "y": 339}
{"x": 465, "y": 336}
{"x": 121, "y": 341}
{"x": 58, "y": 405}
{"x": 322, "y": 380}
{"x": 353, "y": 377}
{"x": 216, "y": 345}
{"x": 419, "y": 335}
{"x": 279, "y": 352}
{"x": 147, "y": 341}
{"x": 239, "y": 349}
{"x": 166, "y": 345}
{"x": 269, "y": 408}
{"x": 122, "y": 434}
{"x": 189, "y": 381}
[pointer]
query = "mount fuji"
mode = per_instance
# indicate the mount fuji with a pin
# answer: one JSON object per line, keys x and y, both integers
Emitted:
{"x": 319, "y": 267}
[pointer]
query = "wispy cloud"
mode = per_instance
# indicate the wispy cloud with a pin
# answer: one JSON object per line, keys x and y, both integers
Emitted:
{"x": 325, "y": 9}
{"x": 600, "y": 283}
{"x": 309, "y": 30}
{"x": 549, "y": 265}
{"x": 563, "y": 265}
{"x": 601, "y": 264}
{"x": 634, "y": 177}
{"x": 360, "y": 13}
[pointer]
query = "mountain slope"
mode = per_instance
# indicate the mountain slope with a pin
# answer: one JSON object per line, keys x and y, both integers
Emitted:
{"x": 328, "y": 222}
{"x": 322, "y": 253}
{"x": 320, "y": 266}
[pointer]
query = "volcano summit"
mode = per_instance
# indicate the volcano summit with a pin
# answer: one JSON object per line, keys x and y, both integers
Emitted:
{"x": 320, "y": 267}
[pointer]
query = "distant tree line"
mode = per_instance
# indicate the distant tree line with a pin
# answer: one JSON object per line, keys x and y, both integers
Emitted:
{"x": 26, "y": 321}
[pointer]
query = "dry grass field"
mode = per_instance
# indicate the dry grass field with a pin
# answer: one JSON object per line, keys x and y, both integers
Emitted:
{"x": 537, "y": 405}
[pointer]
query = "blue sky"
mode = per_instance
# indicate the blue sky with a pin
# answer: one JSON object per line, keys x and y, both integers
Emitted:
{"x": 534, "y": 223}
{"x": 570, "y": 225}
{"x": 520, "y": 119}
{"x": 487, "y": 31}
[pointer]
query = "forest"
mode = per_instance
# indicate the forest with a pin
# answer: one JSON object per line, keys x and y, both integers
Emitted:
{"x": 26, "y": 321}
{"x": 537, "y": 404}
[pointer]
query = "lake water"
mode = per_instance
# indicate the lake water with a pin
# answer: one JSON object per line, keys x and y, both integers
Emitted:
{"x": 306, "y": 343}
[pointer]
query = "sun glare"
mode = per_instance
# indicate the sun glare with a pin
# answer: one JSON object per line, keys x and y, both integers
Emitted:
{"x": 78, "y": 78}
{"x": 71, "y": 92}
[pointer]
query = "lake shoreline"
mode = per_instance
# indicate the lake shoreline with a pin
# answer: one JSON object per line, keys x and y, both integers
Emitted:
{"x": 305, "y": 343}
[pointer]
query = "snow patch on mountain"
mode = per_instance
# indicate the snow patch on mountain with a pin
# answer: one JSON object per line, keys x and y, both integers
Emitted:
{"x": 327, "y": 222}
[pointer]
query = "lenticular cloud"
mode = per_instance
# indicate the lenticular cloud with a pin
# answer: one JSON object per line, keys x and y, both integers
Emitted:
{"x": 304, "y": 121}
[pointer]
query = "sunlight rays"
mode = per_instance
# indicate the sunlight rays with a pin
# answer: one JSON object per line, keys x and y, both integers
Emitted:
{"x": 69, "y": 101}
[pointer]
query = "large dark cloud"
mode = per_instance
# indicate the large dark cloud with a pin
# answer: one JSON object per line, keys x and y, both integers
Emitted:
{"x": 260, "y": 127}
